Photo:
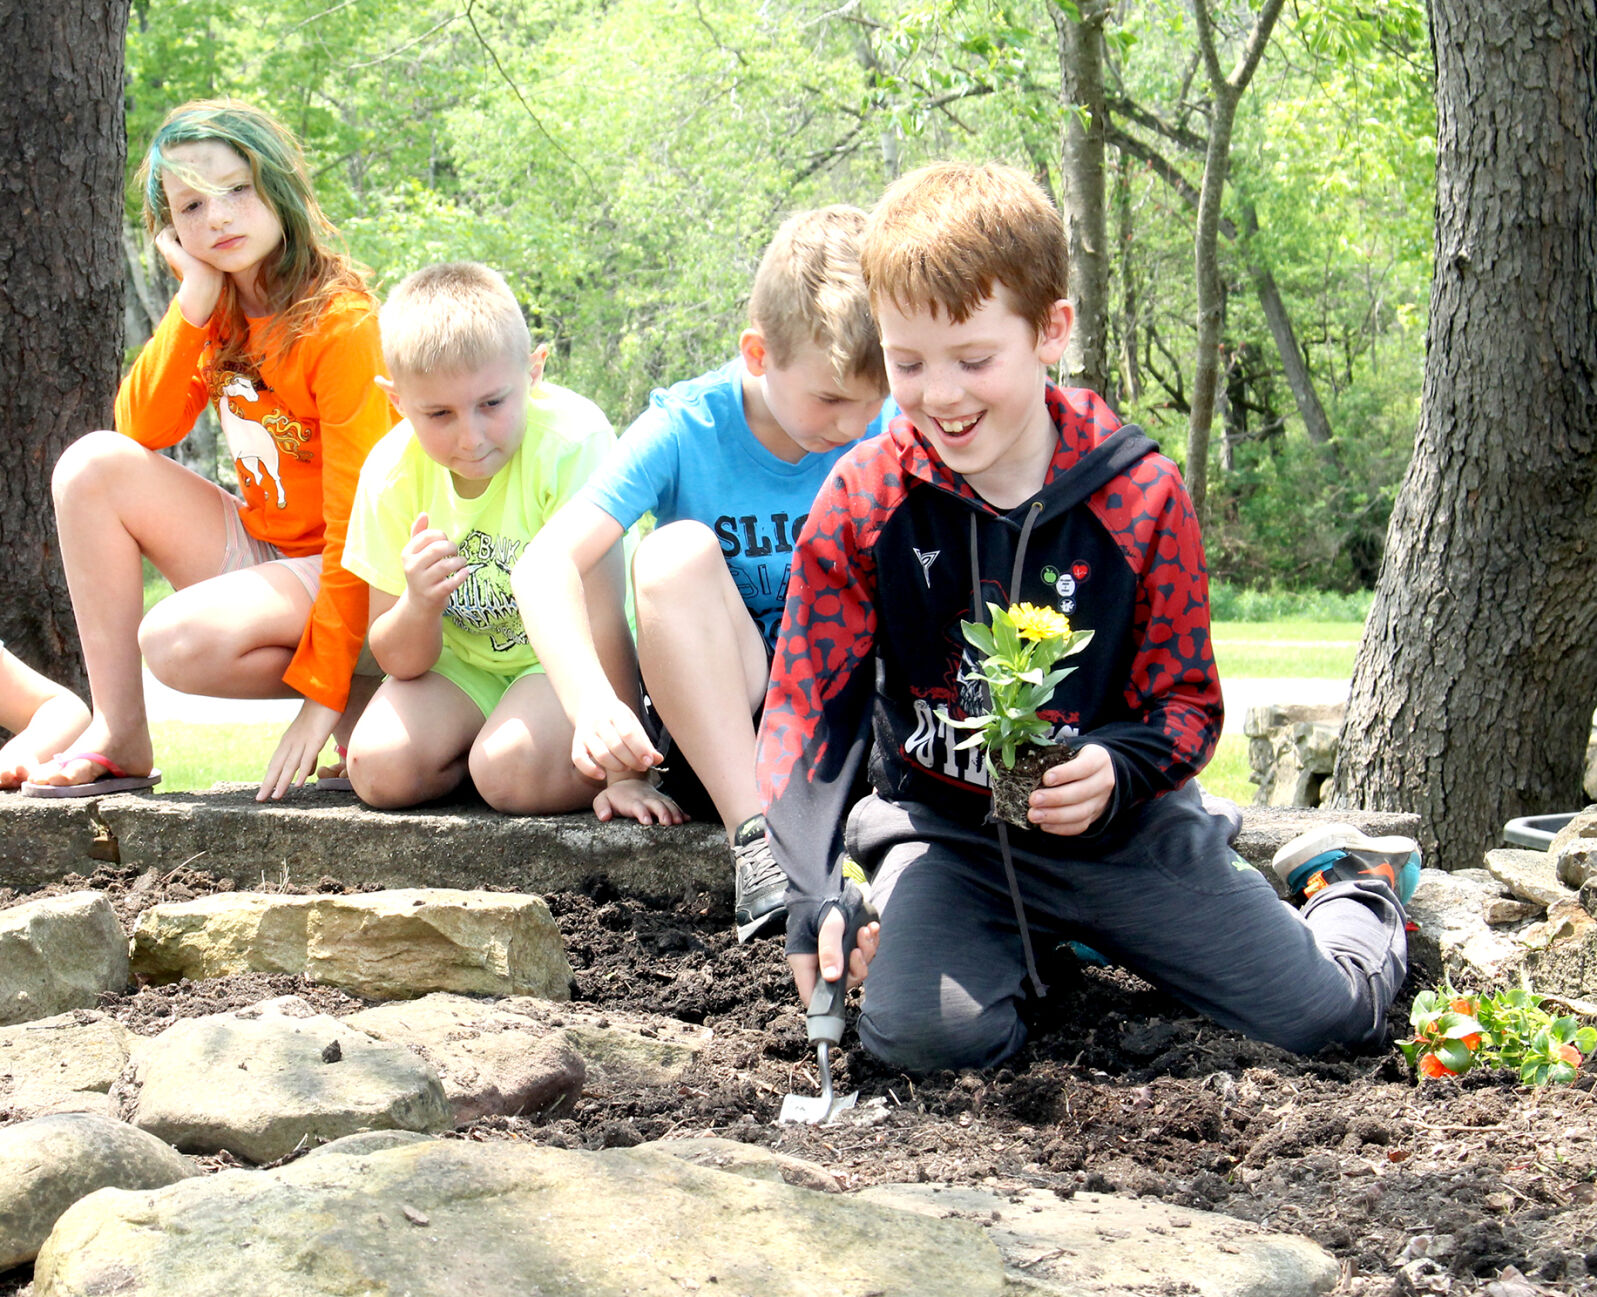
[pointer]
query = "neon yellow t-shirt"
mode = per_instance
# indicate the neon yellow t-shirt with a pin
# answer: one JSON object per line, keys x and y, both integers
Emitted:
{"x": 567, "y": 437}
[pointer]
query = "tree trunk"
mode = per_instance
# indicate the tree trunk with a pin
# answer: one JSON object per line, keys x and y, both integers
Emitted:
{"x": 1081, "y": 151}
{"x": 61, "y": 187}
{"x": 1473, "y": 691}
{"x": 1225, "y": 93}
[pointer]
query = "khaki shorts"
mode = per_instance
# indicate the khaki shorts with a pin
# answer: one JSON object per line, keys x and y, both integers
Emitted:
{"x": 242, "y": 550}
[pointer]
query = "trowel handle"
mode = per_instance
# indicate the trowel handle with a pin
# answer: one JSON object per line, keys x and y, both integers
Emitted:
{"x": 825, "y": 1017}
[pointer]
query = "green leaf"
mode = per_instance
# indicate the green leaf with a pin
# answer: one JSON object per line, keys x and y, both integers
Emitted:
{"x": 979, "y": 637}
{"x": 1455, "y": 1058}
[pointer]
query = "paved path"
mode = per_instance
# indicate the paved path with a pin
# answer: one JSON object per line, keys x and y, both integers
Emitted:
{"x": 168, "y": 705}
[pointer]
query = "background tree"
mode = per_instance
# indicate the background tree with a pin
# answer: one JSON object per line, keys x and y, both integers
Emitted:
{"x": 1474, "y": 686}
{"x": 61, "y": 177}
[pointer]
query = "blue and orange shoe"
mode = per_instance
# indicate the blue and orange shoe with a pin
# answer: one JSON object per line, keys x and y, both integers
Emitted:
{"x": 1312, "y": 861}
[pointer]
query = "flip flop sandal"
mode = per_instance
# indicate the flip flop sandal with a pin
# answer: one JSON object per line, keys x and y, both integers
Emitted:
{"x": 334, "y": 783}
{"x": 114, "y": 780}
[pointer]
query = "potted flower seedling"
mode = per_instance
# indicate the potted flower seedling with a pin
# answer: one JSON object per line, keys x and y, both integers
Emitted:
{"x": 1018, "y": 665}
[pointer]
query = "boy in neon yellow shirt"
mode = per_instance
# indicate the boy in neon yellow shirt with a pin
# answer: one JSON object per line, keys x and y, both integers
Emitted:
{"x": 446, "y": 502}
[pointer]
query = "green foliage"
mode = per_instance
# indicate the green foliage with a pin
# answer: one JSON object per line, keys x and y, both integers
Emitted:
{"x": 625, "y": 162}
{"x": 1019, "y": 655}
{"x": 1454, "y": 1033}
{"x": 1231, "y": 602}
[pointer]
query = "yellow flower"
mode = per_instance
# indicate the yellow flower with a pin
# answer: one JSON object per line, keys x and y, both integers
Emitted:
{"x": 1036, "y": 623}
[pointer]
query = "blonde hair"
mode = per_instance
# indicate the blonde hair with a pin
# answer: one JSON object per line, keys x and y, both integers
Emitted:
{"x": 946, "y": 236}
{"x": 306, "y": 271}
{"x": 449, "y": 318}
{"x": 808, "y": 289}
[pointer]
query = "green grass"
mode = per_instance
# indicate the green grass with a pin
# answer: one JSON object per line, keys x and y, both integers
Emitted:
{"x": 1227, "y": 771}
{"x": 1308, "y": 649}
{"x": 196, "y": 756}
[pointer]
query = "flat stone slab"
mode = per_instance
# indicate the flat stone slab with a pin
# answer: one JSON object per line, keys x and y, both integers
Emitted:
{"x": 1098, "y": 1245}
{"x": 48, "y": 1164}
{"x": 1529, "y": 875}
{"x": 259, "y": 1082}
{"x": 445, "y": 1218}
{"x": 384, "y": 945}
{"x": 59, "y": 953}
{"x": 63, "y": 1064}
{"x": 310, "y": 836}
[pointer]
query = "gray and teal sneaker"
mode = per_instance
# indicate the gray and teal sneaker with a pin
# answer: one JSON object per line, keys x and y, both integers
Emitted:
{"x": 758, "y": 881}
{"x": 1314, "y": 860}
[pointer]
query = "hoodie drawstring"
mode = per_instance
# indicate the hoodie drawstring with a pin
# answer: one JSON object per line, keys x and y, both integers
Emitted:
{"x": 978, "y": 609}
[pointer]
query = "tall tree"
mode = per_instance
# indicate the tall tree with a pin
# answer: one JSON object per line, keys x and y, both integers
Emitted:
{"x": 1081, "y": 76}
{"x": 1225, "y": 90}
{"x": 61, "y": 178}
{"x": 1474, "y": 685}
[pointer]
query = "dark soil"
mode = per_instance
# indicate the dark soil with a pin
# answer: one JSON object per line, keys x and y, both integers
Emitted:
{"x": 1479, "y": 1186}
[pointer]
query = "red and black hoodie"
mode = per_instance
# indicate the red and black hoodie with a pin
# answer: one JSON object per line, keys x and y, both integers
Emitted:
{"x": 870, "y": 646}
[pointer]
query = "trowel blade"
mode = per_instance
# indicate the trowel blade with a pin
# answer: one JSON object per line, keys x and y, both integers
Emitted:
{"x": 797, "y": 1108}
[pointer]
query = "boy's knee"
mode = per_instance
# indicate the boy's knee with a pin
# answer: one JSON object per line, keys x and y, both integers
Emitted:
{"x": 515, "y": 784}
{"x": 931, "y": 1037}
{"x": 88, "y": 461}
{"x": 671, "y": 553}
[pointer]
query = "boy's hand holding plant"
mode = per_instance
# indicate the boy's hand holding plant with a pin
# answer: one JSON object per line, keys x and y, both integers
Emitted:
{"x": 1020, "y": 653}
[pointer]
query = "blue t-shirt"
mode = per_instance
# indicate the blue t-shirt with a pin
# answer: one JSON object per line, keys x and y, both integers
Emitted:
{"x": 691, "y": 454}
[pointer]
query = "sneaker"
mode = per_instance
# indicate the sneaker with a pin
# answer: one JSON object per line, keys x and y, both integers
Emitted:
{"x": 1314, "y": 860}
{"x": 760, "y": 884}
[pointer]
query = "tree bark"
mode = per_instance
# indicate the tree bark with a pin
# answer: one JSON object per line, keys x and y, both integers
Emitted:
{"x": 1225, "y": 93}
{"x": 61, "y": 186}
{"x": 1081, "y": 89}
{"x": 1473, "y": 690}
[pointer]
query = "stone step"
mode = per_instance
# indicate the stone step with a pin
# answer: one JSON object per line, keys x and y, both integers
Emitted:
{"x": 310, "y": 836}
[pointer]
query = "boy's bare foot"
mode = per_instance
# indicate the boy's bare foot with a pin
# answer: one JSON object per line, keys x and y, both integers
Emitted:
{"x": 135, "y": 756}
{"x": 637, "y": 799}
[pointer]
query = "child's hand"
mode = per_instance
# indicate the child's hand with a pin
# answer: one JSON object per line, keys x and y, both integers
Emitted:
{"x": 637, "y": 799}
{"x": 200, "y": 283}
{"x": 434, "y": 569}
{"x": 1074, "y": 793}
{"x": 294, "y": 761}
{"x": 828, "y": 959}
{"x": 608, "y": 739}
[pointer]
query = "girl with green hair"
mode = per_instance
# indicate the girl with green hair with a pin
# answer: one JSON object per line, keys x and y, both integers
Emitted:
{"x": 275, "y": 325}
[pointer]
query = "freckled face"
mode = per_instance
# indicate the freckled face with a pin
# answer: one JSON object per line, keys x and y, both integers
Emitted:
{"x": 220, "y": 217}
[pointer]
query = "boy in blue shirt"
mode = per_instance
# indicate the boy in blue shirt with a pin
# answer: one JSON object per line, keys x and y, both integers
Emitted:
{"x": 728, "y": 464}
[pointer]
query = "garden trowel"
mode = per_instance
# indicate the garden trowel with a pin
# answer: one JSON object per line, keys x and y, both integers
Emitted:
{"x": 825, "y": 1022}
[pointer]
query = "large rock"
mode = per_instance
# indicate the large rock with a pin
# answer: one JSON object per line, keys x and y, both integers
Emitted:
{"x": 259, "y": 1083}
{"x": 451, "y": 1217}
{"x": 63, "y": 1064}
{"x": 381, "y": 945}
{"x": 60, "y": 953}
{"x": 490, "y": 1061}
{"x": 1094, "y": 1245}
{"x": 1557, "y": 955}
{"x": 620, "y": 1049}
{"x": 1529, "y": 875}
{"x": 47, "y": 1164}
{"x": 1573, "y": 850}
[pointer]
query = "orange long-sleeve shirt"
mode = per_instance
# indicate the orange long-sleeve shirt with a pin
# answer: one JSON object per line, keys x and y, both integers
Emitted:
{"x": 299, "y": 430}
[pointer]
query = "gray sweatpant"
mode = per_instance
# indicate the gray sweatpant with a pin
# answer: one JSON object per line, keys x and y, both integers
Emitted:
{"x": 1165, "y": 897}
